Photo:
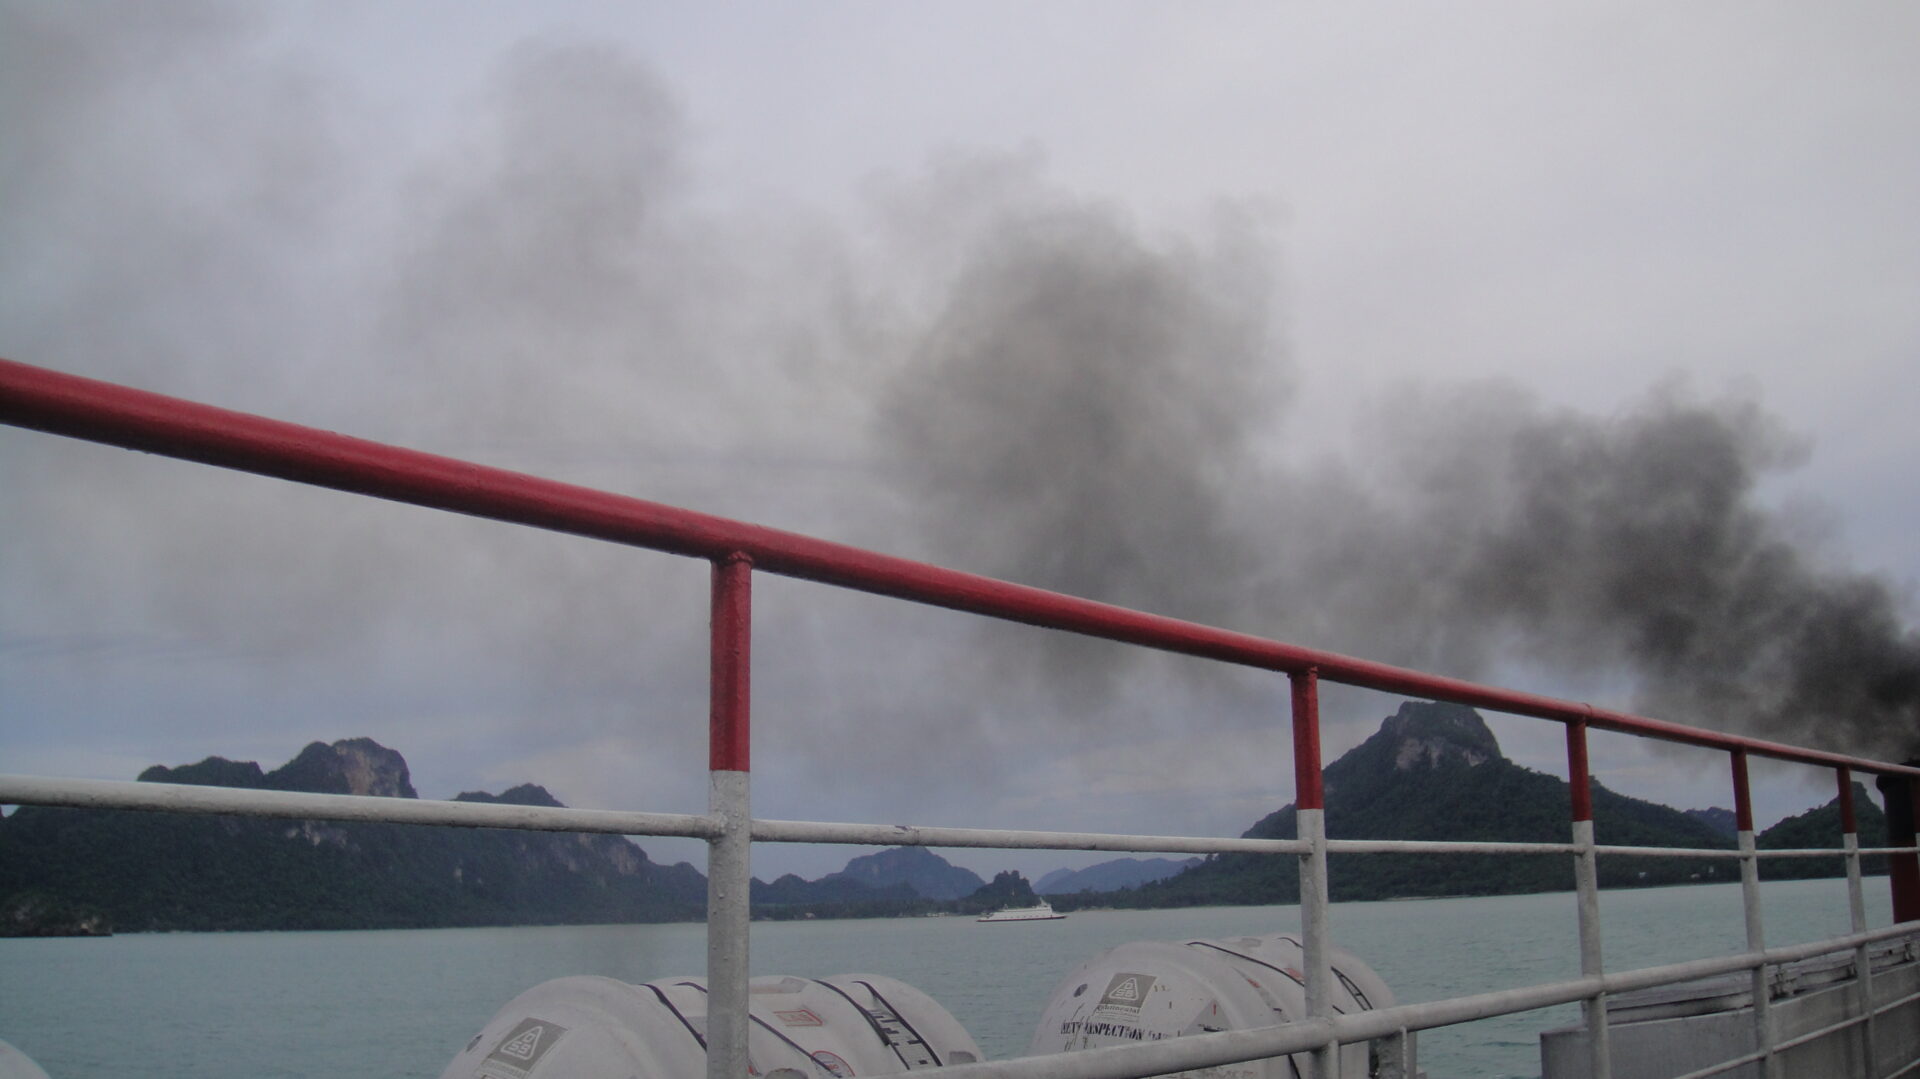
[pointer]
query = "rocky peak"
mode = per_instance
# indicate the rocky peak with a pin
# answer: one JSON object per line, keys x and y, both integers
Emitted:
{"x": 1426, "y": 734}
{"x": 928, "y": 874}
{"x": 211, "y": 772}
{"x": 349, "y": 766}
{"x": 526, "y": 794}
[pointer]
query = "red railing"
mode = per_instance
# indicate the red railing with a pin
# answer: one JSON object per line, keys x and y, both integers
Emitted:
{"x": 44, "y": 400}
{"x": 64, "y": 404}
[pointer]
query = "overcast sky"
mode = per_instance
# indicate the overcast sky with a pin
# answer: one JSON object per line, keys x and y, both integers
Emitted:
{"x": 1571, "y": 346}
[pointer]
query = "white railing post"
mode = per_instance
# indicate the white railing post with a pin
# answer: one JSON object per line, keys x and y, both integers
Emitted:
{"x": 1310, "y": 812}
{"x": 729, "y": 854}
{"x": 1750, "y": 902}
{"x": 1857, "y": 912}
{"x": 1586, "y": 881}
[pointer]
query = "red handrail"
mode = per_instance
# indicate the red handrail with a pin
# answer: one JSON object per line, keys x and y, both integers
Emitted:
{"x": 59, "y": 403}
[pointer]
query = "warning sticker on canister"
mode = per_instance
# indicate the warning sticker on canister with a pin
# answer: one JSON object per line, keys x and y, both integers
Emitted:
{"x": 1124, "y": 994}
{"x": 522, "y": 1048}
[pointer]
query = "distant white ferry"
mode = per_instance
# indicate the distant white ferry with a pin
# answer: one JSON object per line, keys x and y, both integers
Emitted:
{"x": 1041, "y": 912}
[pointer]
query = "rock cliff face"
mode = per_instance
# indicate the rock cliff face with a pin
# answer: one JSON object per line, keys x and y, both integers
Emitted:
{"x": 349, "y": 766}
{"x": 1424, "y": 734}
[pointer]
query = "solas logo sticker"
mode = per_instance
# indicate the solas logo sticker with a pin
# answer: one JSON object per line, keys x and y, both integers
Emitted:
{"x": 520, "y": 1050}
{"x": 1124, "y": 994}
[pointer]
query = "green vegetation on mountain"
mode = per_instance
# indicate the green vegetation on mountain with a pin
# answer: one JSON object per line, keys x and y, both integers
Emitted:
{"x": 1820, "y": 827}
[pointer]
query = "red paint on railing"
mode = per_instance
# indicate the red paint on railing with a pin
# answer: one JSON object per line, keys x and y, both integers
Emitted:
{"x": 1849, "y": 823}
{"x": 1742, "y": 793}
{"x": 83, "y": 408}
{"x": 1308, "y": 792}
{"x": 1579, "y": 772}
{"x": 730, "y": 694}
{"x": 1903, "y": 870}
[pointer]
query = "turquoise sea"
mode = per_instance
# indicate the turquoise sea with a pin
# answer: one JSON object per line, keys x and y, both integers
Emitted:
{"x": 403, "y": 1002}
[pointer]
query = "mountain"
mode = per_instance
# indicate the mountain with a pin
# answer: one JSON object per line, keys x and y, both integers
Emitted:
{"x": 162, "y": 871}
{"x": 1110, "y": 876}
{"x": 1432, "y": 772}
{"x": 929, "y": 875}
{"x": 1820, "y": 827}
{"x": 1007, "y": 889}
{"x": 1718, "y": 818}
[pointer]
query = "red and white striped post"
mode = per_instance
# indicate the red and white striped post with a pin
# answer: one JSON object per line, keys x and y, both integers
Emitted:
{"x": 1586, "y": 881}
{"x": 729, "y": 854}
{"x": 1310, "y": 815}
{"x": 1750, "y": 901}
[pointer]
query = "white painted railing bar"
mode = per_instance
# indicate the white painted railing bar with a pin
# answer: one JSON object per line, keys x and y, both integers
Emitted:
{"x": 297, "y": 805}
{"x": 1424, "y": 846}
{"x": 1800, "y": 852}
{"x": 1727, "y": 853}
{"x": 800, "y": 831}
{"x": 1909, "y": 1066}
{"x": 1794, "y": 1042}
{"x": 1726, "y": 1066}
{"x": 186, "y": 798}
{"x": 1208, "y": 1050}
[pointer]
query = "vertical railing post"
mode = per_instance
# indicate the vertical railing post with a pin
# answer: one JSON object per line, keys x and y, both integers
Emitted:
{"x": 729, "y": 854}
{"x": 1857, "y": 911}
{"x": 1586, "y": 883}
{"x": 1903, "y": 870}
{"x": 1750, "y": 901}
{"x": 1310, "y": 812}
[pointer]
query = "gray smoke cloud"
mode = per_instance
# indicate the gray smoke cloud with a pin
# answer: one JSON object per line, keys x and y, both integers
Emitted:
{"x": 1081, "y": 409}
{"x": 1641, "y": 543}
{"x": 1084, "y": 414}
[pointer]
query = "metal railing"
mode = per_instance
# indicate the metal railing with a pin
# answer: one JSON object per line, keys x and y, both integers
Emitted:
{"x": 58, "y": 403}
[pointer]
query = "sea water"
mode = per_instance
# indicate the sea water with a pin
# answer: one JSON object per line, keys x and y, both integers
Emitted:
{"x": 403, "y": 1002}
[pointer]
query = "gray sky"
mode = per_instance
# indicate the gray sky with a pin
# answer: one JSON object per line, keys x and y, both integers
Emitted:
{"x": 1565, "y": 345}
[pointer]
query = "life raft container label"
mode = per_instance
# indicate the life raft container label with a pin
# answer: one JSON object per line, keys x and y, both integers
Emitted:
{"x": 1125, "y": 993}
{"x": 522, "y": 1048}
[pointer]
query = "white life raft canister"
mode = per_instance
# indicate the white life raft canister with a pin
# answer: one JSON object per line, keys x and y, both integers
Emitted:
{"x": 587, "y": 1027}
{"x": 1152, "y": 990}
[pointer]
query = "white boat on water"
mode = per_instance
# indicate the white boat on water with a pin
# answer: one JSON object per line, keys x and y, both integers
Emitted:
{"x": 1039, "y": 912}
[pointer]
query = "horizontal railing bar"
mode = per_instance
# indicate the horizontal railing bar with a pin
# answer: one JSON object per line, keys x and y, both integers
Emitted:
{"x": 797, "y": 831}
{"x": 1233, "y": 1047}
{"x": 1724, "y": 1066}
{"x": 187, "y": 798}
{"x": 1668, "y": 852}
{"x": 1732, "y": 853}
{"x": 1441, "y": 846}
{"x": 297, "y": 805}
{"x": 58, "y": 403}
{"x": 1892, "y": 1004}
{"x": 1808, "y": 1037}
